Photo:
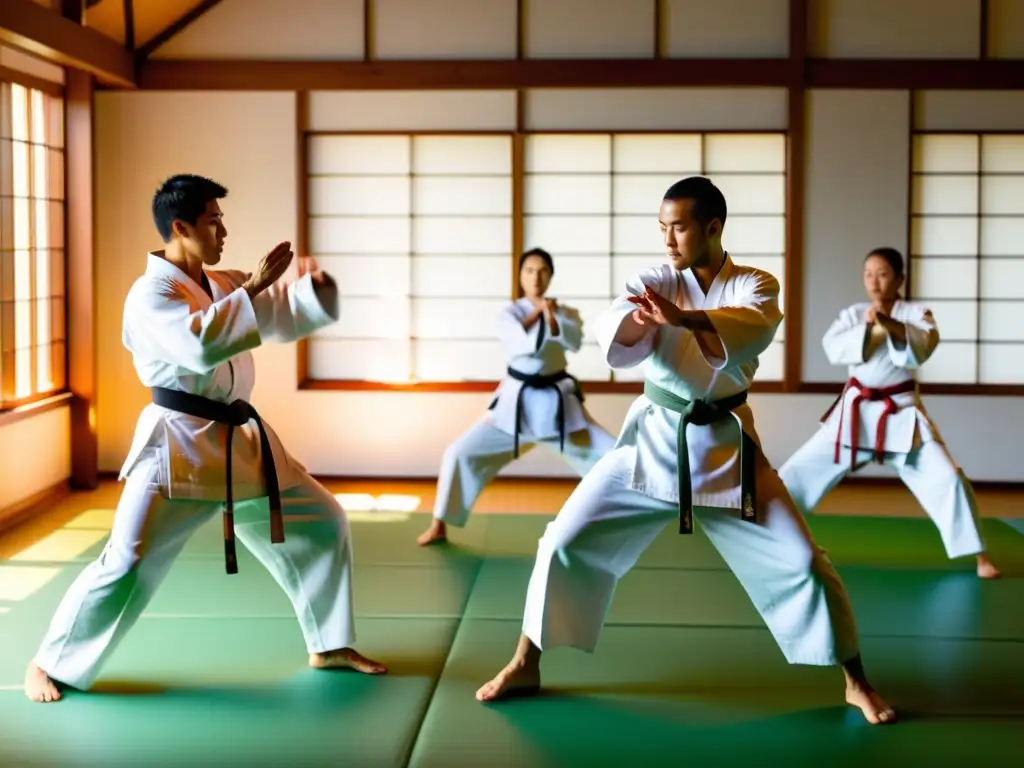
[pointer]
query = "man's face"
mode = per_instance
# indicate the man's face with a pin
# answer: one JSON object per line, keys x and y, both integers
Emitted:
{"x": 686, "y": 241}
{"x": 205, "y": 240}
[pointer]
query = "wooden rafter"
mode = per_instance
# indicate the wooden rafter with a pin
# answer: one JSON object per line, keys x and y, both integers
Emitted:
{"x": 129, "y": 25}
{"x": 33, "y": 28}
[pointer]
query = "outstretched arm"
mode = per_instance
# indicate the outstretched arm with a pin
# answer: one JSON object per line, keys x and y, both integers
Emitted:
{"x": 162, "y": 321}
{"x": 291, "y": 310}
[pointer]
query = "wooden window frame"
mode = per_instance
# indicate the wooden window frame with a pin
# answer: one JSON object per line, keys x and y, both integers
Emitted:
{"x": 10, "y": 407}
{"x": 518, "y": 176}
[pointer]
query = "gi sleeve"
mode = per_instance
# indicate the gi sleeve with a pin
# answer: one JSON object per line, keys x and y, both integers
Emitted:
{"x": 291, "y": 310}
{"x": 514, "y": 338}
{"x": 846, "y": 339}
{"x": 618, "y": 317}
{"x": 922, "y": 334}
{"x": 570, "y": 329}
{"x": 162, "y": 322}
{"x": 745, "y": 329}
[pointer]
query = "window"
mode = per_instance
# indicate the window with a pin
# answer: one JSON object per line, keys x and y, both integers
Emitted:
{"x": 417, "y": 231}
{"x": 967, "y": 254}
{"x": 32, "y": 360}
{"x": 592, "y": 200}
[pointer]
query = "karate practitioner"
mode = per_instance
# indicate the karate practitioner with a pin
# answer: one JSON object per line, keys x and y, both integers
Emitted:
{"x": 879, "y": 415}
{"x": 689, "y": 447}
{"x": 536, "y": 402}
{"x": 190, "y": 331}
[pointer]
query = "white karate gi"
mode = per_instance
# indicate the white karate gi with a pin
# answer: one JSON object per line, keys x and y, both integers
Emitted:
{"x": 180, "y": 339}
{"x": 911, "y": 442}
{"x": 631, "y": 494}
{"x": 481, "y": 452}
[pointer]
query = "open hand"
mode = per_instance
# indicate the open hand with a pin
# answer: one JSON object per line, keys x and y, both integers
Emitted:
{"x": 270, "y": 269}
{"x": 653, "y": 309}
{"x": 306, "y": 265}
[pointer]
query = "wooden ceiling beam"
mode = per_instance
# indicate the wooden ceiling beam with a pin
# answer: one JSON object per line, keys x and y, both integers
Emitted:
{"x": 221, "y": 75}
{"x": 427, "y": 75}
{"x": 36, "y": 30}
{"x": 918, "y": 74}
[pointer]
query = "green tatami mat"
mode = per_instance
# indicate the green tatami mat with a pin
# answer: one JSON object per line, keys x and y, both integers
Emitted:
{"x": 235, "y": 692}
{"x": 671, "y": 696}
{"x": 201, "y": 587}
{"x": 879, "y": 541}
{"x": 644, "y": 596}
{"x": 885, "y": 602}
{"x": 899, "y": 542}
{"x": 517, "y": 536}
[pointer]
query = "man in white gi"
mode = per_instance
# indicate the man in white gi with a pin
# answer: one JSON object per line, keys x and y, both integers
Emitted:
{"x": 688, "y": 446}
{"x": 879, "y": 415}
{"x": 536, "y": 402}
{"x": 190, "y": 332}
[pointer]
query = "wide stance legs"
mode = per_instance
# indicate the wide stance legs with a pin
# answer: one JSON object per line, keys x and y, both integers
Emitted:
{"x": 472, "y": 461}
{"x": 929, "y": 472}
{"x": 313, "y": 566}
{"x": 603, "y": 529}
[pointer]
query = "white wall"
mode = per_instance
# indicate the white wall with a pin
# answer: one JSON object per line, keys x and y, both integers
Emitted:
{"x": 857, "y": 177}
{"x": 35, "y": 451}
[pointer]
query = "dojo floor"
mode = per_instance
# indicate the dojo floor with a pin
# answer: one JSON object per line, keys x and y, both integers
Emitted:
{"x": 214, "y": 673}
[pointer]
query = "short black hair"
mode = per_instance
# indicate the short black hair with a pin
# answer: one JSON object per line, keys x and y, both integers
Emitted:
{"x": 708, "y": 200}
{"x": 537, "y": 252}
{"x": 891, "y": 256}
{"x": 183, "y": 197}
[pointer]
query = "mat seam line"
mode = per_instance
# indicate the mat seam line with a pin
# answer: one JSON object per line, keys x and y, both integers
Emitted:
{"x": 447, "y": 658}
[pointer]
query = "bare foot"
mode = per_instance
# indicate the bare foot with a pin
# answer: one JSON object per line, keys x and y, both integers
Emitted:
{"x": 986, "y": 570}
{"x": 39, "y": 687}
{"x": 875, "y": 710}
{"x": 346, "y": 658}
{"x": 437, "y": 531}
{"x": 519, "y": 678}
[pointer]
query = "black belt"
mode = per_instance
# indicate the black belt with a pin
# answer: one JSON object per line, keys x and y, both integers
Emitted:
{"x": 703, "y": 413}
{"x": 235, "y": 414}
{"x": 538, "y": 381}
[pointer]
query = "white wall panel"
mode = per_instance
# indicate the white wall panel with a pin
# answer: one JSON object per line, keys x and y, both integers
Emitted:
{"x": 857, "y": 176}
{"x": 969, "y": 110}
{"x": 412, "y": 110}
{"x": 656, "y": 109}
{"x": 894, "y": 29}
{"x": 444, "y": 29}
{"x": 596, "y": 29}
{"x": 725, "y": 29}
{"x": 271, "y": 29}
